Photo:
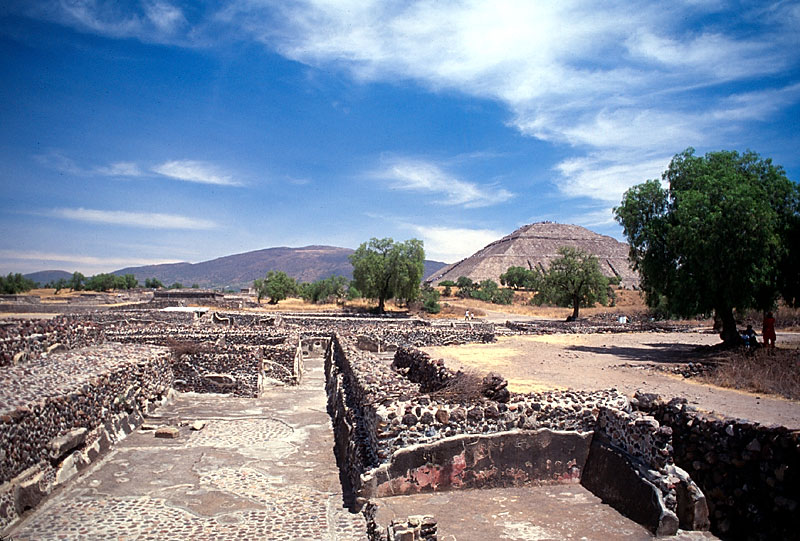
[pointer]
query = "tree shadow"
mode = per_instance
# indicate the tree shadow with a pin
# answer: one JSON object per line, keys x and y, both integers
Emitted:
{"x": 653, "y": 353}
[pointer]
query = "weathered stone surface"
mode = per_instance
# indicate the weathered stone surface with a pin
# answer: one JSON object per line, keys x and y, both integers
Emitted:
{"x": 67, "y": 442}
{"x": 167, "y": 432}
{"x": 610, "y": 475}
{"x": 30, "y": 492}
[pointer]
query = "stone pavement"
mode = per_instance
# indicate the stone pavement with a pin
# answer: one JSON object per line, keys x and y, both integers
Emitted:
{"x": 259, "y": 469}
{"x": 264, "y": 469}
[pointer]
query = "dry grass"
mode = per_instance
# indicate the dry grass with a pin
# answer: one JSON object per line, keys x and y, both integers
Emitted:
{"x": 774, "y": 371}
{"x": 465, "y": 386}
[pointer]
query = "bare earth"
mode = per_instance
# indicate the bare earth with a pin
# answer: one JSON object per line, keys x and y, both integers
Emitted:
{"x": 594, "y": 361}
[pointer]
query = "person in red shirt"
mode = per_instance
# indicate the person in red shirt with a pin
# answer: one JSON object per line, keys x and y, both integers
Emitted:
{"x": 768, "y": 330}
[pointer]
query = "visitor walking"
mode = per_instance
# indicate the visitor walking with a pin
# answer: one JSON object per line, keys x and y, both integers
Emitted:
{"x": 768, "y": 330}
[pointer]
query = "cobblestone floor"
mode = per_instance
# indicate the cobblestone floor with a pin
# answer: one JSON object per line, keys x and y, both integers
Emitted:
{"x": 260, "y": 469}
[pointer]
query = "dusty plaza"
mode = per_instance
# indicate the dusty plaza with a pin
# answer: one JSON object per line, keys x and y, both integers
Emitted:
{"x": 154, "y": 421}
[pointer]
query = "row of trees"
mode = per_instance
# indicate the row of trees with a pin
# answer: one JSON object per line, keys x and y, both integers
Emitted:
{"x": 15, "y": 283}
{"x": 106, "y": 282}
{"x": 573, "y": 279}
{"x": 382, "y": 269}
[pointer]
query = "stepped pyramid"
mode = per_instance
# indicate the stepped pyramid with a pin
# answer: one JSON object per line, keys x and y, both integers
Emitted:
{"x": 534, "y": 246}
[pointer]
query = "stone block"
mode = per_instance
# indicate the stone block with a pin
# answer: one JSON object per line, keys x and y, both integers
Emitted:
{"x": 30, "y": 492}
{"x": 65, "y": 443}
{"x": 168, "y": 432}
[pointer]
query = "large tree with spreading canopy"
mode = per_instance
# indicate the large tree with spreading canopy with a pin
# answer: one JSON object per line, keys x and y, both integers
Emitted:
{"x": 719, "y": 233}
{"x": 384, "y": 269}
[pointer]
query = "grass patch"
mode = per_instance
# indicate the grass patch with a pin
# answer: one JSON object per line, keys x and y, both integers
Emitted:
{"x": 465, "y": 386}
{"x": 774, "y": 371}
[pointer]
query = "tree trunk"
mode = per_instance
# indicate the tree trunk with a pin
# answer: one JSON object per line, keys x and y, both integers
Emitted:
{"x": 729, "y": 334}
{"x": 380, "y": 305}
{"x": 576, "y": 304}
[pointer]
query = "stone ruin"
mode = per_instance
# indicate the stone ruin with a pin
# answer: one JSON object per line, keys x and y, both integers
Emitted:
{"x": 72, "y": 387}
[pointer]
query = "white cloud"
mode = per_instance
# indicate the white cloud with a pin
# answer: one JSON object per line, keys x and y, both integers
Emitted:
{"x": 119, "y": 169}
{"x": 606, "y": 177}
{"x": 46, "y": 258}
{"x": 421, "y": 176}
{"x": 612, "y": 76}
{"x": 150, "y": 220}
{"x": 195, "y": 171}
{"x": 451, "y": 244}
{"x": 155, "y": 21}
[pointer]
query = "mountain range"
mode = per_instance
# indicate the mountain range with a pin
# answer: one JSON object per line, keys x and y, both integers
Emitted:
{"x": 306, "y": 264}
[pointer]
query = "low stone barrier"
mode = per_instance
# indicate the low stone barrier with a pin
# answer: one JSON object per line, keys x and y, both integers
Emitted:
{"x": 630, "y": 467}
{"x": 58, "y": 414}
{"x": 750, "y": 473}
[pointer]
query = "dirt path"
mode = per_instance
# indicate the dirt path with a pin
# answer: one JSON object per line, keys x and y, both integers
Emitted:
{"x": 594, "y": 361}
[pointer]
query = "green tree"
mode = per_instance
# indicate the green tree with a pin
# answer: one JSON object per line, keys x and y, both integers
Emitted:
{"x": 76, "y": 282}
{"x": 722, "y": 236}
{"x": 333, "y": 288}
{"x": 520, "y": 278}
{"x": 102, "y": 282}
{"x": 153, "y": 283}
{"x": 384, "y": 269}
{"x": 573, "y": 279}
{"x": 277, "y": 285}
{"x": 15, "y": 283}
{"x": 430, "y": 299}
{"x": 60, "y": 284}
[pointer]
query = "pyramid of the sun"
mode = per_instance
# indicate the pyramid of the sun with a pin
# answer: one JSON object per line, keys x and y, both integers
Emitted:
{"x": 534, "y": 246}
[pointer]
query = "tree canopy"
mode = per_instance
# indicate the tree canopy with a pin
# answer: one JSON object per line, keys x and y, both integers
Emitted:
{"x": 720, "y": 234}
{"x": 384, "y": 269}
{"x": 277, "y": 285}
{"x": 521, "y": 278}
{"x": 573, "y": 279}
{"x": 15, "y": 283}
{"x": 333, "y": 288}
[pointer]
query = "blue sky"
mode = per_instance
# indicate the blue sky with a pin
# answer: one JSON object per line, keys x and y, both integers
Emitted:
{"x": 138, "y": 132}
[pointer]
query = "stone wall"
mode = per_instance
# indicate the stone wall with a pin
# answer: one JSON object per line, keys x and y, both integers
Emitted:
{"x": 58, "y": 414}
{"x": 23, "y": 340}
{"x": 391, "y": 433}
{"x": 749, "y": 473}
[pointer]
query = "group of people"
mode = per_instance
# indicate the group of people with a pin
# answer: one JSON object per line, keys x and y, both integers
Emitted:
{"x": 749, "y": 338}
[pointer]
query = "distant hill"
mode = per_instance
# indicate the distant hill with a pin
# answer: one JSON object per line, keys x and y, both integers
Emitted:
{"x": 43, "y": 277}
{"x": 533, "y": 247}
{"x": 306, "y": 264}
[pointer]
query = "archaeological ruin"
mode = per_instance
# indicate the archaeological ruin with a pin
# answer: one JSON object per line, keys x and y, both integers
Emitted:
{"x": 75, "y": 386}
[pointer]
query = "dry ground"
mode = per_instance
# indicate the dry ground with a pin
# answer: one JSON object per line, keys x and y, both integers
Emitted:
{"x": 601, "y": 361}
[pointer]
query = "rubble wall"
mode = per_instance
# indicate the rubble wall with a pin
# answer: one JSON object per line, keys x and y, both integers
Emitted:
{"x": 25, "y": 340}
{"x": 58, "y": 414}
{"x": 394, "y": 437}
{"x": 750, "y": 473}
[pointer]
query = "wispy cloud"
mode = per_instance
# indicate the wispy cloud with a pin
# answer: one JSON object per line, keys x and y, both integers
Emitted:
{"x": 451, "y": 244}
{"x": 422, "y": 176}
{"x": 156, "y": 21}
{"x": 612, "y": 76}
{"x": 149, "y": 220}
{"x": 54, "y": 257}
{"x": 195, "y": 171}
{"x": 119, "y": 169}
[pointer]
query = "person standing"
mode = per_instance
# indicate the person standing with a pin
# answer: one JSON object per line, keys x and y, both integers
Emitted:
{"x": 768, "y": 330}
